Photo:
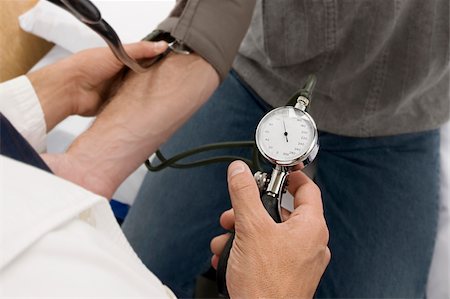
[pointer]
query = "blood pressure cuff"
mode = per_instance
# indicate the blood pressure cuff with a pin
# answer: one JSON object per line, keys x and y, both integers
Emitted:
{"x": 214, "y": 29}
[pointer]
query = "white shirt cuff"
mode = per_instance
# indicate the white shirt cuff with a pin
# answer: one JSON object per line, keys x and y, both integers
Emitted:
{"x": 20, "y": 104}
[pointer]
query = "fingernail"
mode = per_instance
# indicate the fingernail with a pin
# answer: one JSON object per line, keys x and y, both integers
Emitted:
{"x": 235, "y": 168}
{"x": 160, "y": 45}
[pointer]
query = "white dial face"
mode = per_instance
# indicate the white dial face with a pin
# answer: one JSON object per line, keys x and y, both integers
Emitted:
{"x": 285, "y": 134}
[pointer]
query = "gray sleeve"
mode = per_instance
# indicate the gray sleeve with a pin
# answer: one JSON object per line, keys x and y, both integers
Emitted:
{"x": 214, "y": 29}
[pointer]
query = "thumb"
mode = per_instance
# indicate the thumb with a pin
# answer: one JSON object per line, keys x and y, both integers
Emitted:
{"x": 145, "y": 49}
{"x": 244, "y": 195}
{"x": 139, "y": 50}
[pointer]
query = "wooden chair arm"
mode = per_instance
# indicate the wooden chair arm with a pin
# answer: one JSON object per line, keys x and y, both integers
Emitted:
{"x": 19, "y": 50}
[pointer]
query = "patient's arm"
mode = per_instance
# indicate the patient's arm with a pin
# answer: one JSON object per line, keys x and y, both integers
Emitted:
{"x": 151, "y": 106}
{"x": 146, "y": 110}
{"x": 80, "y": 83}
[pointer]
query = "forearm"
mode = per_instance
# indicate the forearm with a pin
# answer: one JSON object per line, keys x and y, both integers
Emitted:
{"x": 145, "y": 112}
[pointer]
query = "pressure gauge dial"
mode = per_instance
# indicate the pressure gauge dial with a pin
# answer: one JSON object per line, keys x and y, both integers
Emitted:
{"x": 287, "y": 136}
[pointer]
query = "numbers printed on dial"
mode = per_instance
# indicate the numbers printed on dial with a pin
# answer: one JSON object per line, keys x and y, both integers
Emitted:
{"x": 285, "y": 134}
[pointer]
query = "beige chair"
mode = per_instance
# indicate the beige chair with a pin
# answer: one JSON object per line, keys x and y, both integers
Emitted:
{"x": 19, "y": 50}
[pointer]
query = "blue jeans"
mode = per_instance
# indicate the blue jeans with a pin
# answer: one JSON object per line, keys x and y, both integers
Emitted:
{"x": 380, "y": 198}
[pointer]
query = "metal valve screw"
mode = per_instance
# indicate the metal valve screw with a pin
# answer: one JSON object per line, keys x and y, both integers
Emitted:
{"x": 262, "y": 180}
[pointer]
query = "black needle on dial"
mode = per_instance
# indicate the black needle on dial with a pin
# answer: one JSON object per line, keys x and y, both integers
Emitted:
{"x": 285, "y": 131}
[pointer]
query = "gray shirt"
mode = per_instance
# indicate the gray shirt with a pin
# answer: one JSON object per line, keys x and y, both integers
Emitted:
{"x": 382, "y": 66}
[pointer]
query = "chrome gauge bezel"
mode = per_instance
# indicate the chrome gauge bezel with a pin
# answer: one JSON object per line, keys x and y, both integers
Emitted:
{"x": 305, "y": 157}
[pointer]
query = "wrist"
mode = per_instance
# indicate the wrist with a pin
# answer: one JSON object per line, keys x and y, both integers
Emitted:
{"x": 73, "y": 168}
{"x": 112, "y": 148}
{"x": 97, "y": 164}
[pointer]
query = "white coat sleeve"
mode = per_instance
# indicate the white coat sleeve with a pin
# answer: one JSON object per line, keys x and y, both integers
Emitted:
{"x": 20, "y": 104}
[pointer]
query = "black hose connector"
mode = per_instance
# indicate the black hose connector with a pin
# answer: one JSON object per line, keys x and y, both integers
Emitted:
{"x": 305, "y": 91}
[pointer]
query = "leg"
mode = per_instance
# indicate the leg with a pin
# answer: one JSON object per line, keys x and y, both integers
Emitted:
{"x": 176, "y": 212}
{"x": 438, "y": 280}
{"x": 381, "y": 202}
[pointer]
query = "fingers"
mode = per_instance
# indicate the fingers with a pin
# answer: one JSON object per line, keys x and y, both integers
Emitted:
{"x": 299, "y": 166}
{"x": 145, "y": 49}
{"x": 305, "y": 192}
{"x": 215, "y": 261}
{"x": 297, "y": 179}
{"x": 285, "y": 214}
{"x": 227, "y": 219}
{"x": 327, "y": 257}
{"x": 218, "y": 243}
{"x": 244, "y": 194}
